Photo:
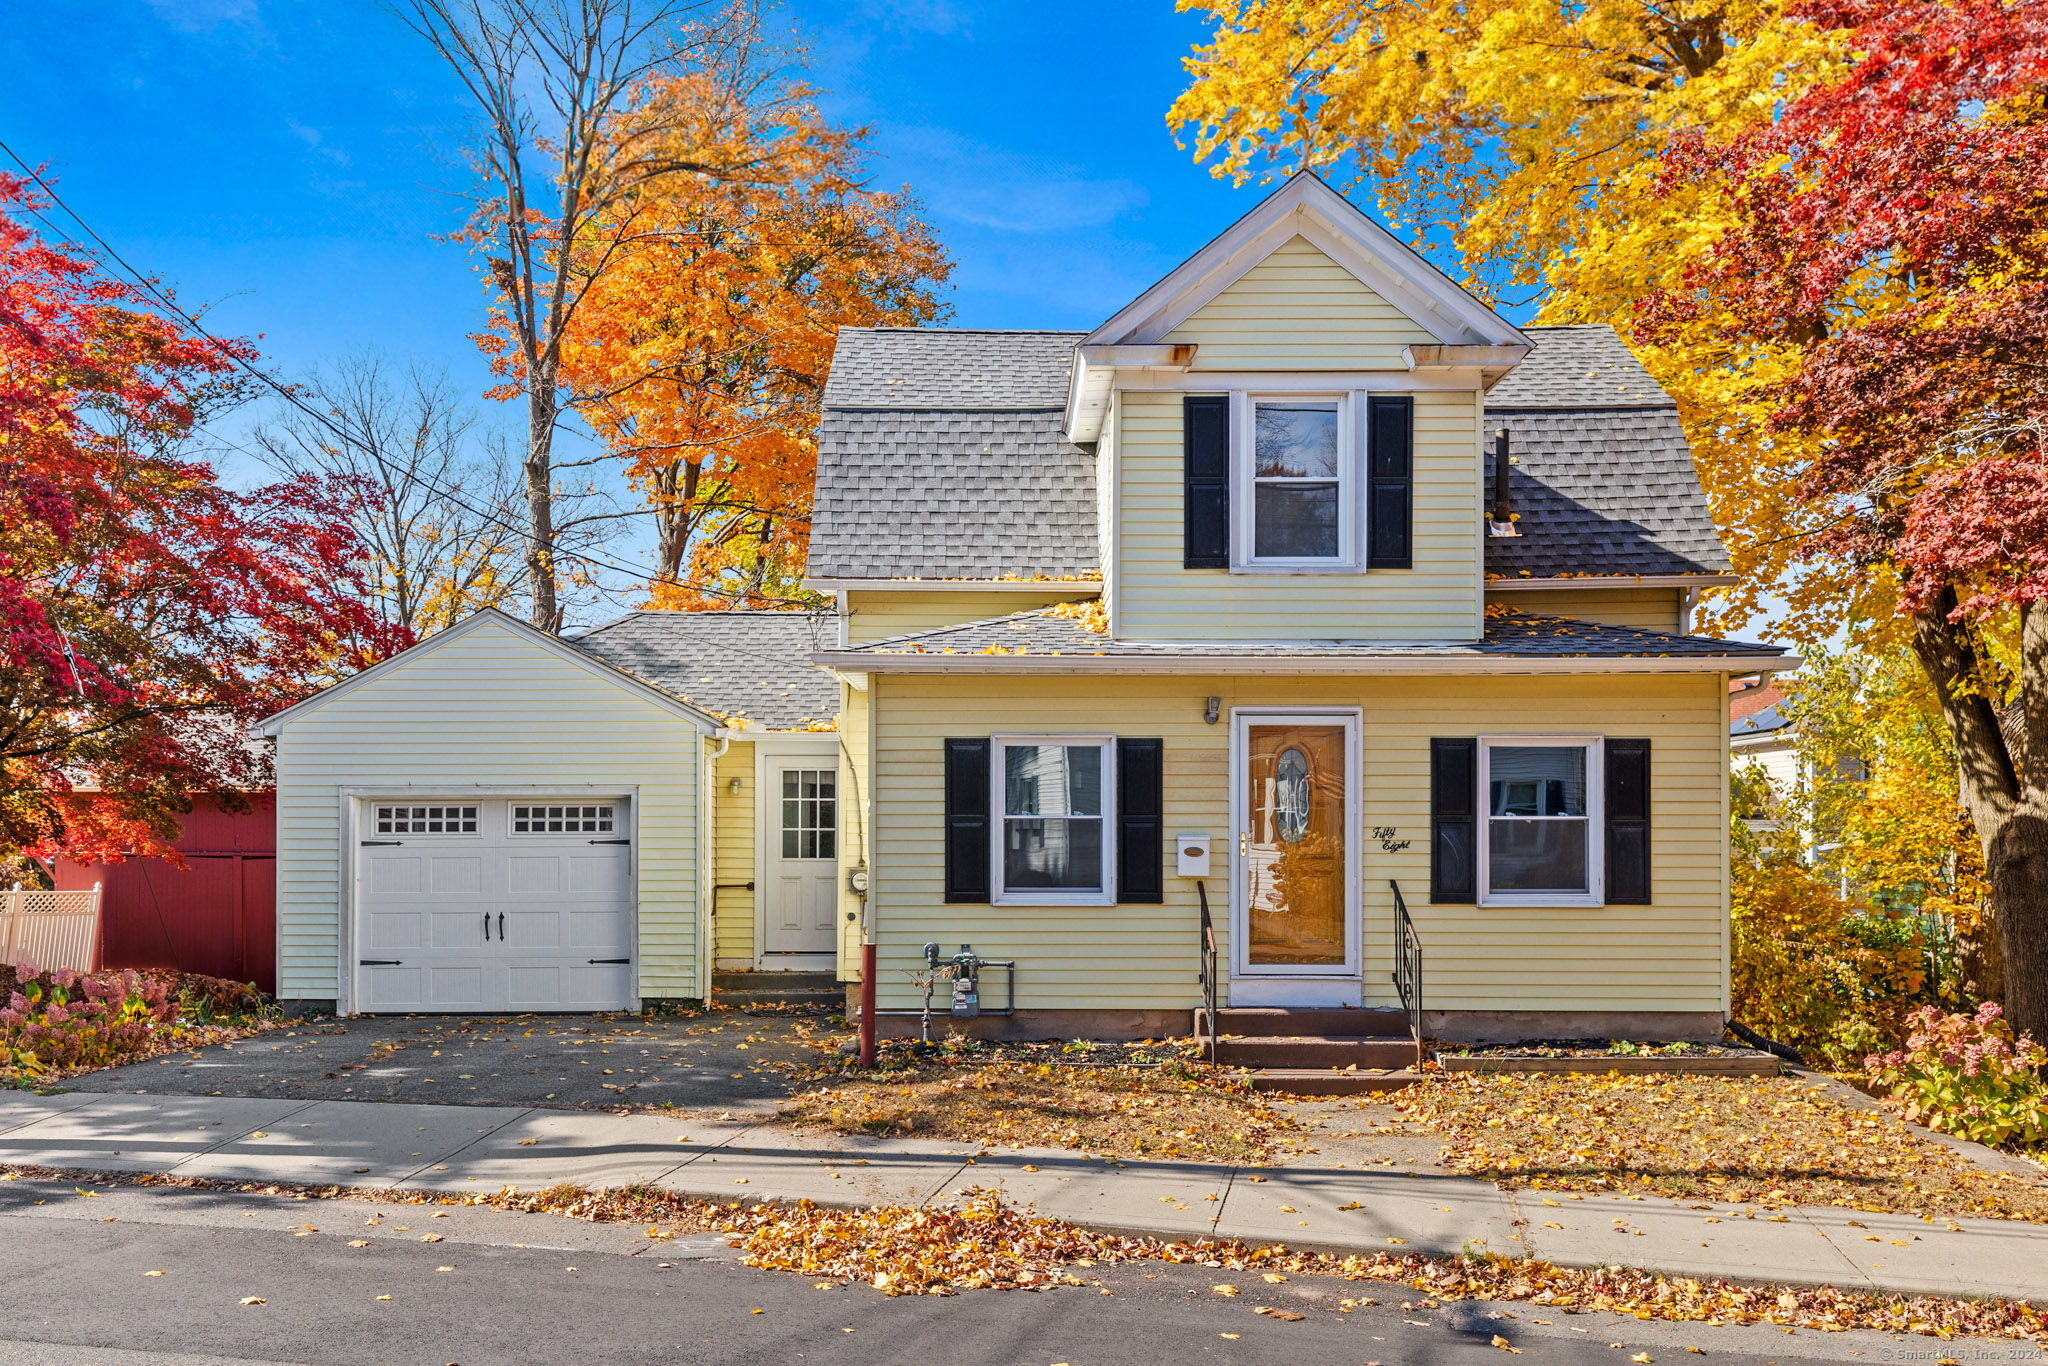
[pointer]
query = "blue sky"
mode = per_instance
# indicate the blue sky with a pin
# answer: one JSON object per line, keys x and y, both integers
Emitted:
{"x": 288, "y": 163}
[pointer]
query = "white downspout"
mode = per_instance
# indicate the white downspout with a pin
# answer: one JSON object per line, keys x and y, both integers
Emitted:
{"x": 707, "y": 857}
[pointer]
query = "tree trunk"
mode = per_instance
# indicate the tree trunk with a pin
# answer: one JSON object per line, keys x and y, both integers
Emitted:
{"x": 2007, "y": 804}
{"x": 2017, "y": 864}
{"x": 540, "y": 506}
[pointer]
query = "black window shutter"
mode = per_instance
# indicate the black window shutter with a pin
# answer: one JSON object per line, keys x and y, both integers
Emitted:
{"x": 1390, "y": 435}
{"x": 1205, "y": 496}
{"x": 1140, "y": 822}
{"x": 967, "y": 817}
{"x": 1628, "y": 822}
{"x": 1454, "y": 822}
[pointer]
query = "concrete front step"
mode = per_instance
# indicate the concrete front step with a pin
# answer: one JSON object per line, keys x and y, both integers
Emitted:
{"x": 1325, "y": 1081}
{"x": 1315, "y": 1051}
{"x": 1318, "y": 1021}
{"x": 771, "y": 979}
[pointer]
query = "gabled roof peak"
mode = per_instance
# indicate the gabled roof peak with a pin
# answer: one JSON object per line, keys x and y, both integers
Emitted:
{"x": 1306, "y": 207}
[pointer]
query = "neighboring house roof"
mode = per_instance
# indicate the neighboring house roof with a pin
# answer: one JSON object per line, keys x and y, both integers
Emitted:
{"x": 1755, "y": 710}
{"x": 740, "y": 665}
{"x": 1510, "y": 636}
{"x": 942, "y": 455}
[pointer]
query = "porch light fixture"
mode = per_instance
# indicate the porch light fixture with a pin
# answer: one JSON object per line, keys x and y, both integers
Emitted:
{"x": 1212, "y": 707}
{"x": 733, "y": 786}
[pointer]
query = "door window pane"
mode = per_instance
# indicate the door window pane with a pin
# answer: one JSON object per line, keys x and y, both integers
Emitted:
{"x": 1052, "y": 833}
{"x": 810, "y": 813}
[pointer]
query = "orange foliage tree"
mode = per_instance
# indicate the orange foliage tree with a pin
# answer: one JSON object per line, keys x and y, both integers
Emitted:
{"x": 699, "y": 354}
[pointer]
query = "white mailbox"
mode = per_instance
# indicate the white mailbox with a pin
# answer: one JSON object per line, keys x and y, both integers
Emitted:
{"x": 1192, "y": 855}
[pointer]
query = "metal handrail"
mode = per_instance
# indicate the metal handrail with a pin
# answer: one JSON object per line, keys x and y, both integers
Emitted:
{"x": 1408, "y": 970}
{"x": 1208, "y": 976}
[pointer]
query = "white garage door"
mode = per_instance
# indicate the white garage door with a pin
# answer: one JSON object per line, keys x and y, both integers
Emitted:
{"x": 495, "y": 905}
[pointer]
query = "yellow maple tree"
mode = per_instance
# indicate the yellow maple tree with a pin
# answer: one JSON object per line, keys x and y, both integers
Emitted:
{"x": 699, "y": 353}
{"x": 1521, "y": 140}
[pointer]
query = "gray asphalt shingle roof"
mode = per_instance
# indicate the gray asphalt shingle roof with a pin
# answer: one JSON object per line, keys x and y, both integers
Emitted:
{"x": 752, "y": 665}
{"x": 1583, "y": 365}
{"x": 1509, "y": 635}
{"x": 948, "y": 494}
{"x": 941, "y": 456}
{"x": 931, "y": 367}
{"x": 1602, "y": 492}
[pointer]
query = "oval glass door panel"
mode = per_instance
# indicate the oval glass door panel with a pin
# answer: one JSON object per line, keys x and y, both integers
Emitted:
{"x": 1294, "y": 851}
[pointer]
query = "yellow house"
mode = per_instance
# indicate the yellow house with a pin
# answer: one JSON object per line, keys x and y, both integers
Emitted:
{"x": 1305, "y": 595}
{"x": 1305, "y": 641}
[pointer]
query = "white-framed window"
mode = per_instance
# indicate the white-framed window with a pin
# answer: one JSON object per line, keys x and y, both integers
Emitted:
{"x": 1052, "y": 829}
{"x": 583, "y": 818}
{"x": 1295, "y": 482}
{"x": 810, "y": 813}
{"x": 425, "y": 819}
{"x": 1541, "y": 845}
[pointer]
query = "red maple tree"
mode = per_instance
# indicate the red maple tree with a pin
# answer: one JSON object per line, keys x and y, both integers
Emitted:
{"x": 1891, "y": 234}
{"x": 147, "y": 612}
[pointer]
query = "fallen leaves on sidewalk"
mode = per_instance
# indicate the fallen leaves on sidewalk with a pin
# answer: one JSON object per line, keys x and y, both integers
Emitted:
{"x": 1773, "y": 1141}
{"x": 1200, "y": 1115}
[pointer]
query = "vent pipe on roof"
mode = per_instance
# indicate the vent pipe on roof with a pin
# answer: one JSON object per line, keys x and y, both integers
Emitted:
{"x": 1500, "y": 518}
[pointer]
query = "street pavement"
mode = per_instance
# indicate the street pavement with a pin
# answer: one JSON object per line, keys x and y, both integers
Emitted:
{"x": 467, "y": 1148}
{"x": 501, "y": 1287}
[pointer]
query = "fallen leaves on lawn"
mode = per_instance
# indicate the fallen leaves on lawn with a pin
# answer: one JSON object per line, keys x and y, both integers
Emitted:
{"x": 1201, "y": 1115}
{"x": 1772, "y": 1141}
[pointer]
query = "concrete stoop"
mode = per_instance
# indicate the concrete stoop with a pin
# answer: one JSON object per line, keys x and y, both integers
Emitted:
{"x": 1316, "y": 1052}
{"x": 771, "y": 987}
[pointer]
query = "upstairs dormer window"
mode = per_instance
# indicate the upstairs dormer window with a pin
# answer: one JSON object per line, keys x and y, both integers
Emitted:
{"x": 1294, "y": 463}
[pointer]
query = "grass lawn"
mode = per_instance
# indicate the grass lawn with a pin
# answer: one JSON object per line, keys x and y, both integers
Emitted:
{"x": 1775, "y": 1141}
{"x": 1135, "y": 1112}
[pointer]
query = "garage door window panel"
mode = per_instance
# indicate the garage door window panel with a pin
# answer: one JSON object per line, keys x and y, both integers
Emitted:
{"x": 426, "y": 819}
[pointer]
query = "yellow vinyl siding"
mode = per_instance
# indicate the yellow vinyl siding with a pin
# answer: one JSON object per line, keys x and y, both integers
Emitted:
{"x": 1667, "y": 956}
{"x": 1299, "y": 310}
{"x": 732, "y": 860}
{"x": 1158, "y": 599}
{"x": 488, "y": 708}
{"x": 856, "y": 816}
{"x": 877, "y": 614}
{"x": 1648, "y": 609}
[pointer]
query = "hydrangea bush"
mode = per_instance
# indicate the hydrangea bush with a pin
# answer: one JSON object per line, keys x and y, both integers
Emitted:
{"x": 1967, "y": 1075}
{"x": 58, "y": 1020}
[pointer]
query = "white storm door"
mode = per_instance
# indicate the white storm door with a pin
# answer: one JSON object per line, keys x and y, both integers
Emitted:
{"x": 800, "y": 861}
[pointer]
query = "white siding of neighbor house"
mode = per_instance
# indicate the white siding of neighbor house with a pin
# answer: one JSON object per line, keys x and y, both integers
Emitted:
{"x": 490, "y": 708}
{"x": 1668, "y": 956}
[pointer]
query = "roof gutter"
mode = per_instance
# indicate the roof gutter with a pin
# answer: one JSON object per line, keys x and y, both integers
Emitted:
{"x": 841, "y": 662}
{"x": 956, "y": 585}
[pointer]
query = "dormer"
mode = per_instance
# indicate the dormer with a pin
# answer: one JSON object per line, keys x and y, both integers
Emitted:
{"x": 1289, "y": 438}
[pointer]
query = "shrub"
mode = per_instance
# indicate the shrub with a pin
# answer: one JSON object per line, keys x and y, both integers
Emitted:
{"x": 1809, "y": 969}
{"x": 62, "y": 1019}
{"x": 1967, "y": 1075}
{"x": 208, "y": 997}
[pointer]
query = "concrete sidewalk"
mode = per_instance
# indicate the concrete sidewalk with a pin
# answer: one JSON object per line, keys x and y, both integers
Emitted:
{"x": 467, "y": 1148}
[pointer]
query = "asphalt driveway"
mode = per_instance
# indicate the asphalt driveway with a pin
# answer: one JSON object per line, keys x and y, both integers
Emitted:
{"x": 723, "y": 1060}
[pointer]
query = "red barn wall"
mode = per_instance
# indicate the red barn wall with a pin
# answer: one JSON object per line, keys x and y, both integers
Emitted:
{"x": 216, "y": 915}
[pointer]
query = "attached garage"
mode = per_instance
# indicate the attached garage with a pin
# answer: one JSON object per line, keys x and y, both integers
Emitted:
{"x": 498, "y": 904}
{"x": 493, "y": 821}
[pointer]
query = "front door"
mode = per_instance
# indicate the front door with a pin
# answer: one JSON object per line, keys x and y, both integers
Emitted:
{"x": 1296, "y": 902}
{"x": 801, "y": 863}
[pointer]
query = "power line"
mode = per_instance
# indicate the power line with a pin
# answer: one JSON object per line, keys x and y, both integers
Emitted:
{"x": 283, "y": 391}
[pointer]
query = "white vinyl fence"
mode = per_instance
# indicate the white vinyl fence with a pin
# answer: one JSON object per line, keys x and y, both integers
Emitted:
{"x": 51, "y": 929}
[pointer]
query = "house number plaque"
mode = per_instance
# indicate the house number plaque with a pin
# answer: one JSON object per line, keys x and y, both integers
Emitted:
{"x": 1385, "y": 835}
